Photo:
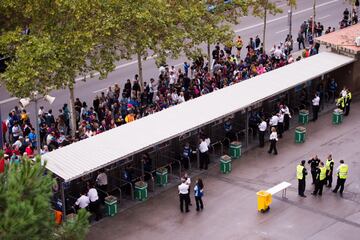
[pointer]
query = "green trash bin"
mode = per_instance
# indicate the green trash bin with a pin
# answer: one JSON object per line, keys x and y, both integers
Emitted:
{"x": 225, "y": 164}
{"x": 235, "y": 150}
{"x": 300, "y": 133}
{"x": 337, "y": 116}
{"x": 162, "y": 176}
{"x": 111, "y": 205}
{"x": 141, "y": 193}
{"x": 303, "y": 116}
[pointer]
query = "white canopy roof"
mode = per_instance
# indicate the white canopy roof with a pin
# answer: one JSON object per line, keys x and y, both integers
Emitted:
{"x": 94, "y": 153}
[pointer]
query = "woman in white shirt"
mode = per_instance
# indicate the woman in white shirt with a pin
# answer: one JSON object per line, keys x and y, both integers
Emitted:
{"x": 273, "y": 140}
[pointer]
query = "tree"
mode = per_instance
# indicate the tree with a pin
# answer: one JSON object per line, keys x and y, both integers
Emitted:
{"x": 67, "y": 38}
{"x": 261, "y": 8}
{"x": 209, "y": 22}
{"x": 25, "y": 192}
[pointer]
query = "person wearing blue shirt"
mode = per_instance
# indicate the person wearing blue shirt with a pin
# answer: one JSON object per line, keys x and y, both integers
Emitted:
{"x": 199, "y": 193}
{"x": 186, "y": 155}
{"x": 32, "y": 137}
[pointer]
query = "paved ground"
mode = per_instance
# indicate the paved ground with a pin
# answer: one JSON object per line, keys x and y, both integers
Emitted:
{"x": 230, "y": 200}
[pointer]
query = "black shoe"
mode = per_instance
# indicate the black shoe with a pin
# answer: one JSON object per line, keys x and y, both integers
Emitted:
{"x": 334, "y": 191}
{"x": 269, "y": 152}
{"x": 304, "y": 196}
{"x": 197, "y": 209}
{"x": 320, "y": 194}
{"x": 313, "y": 194}
{"x": 341, "y": 195}
{"x": 328, "y": 186}
{"x": 190, "y": 204}
{"x": 187, "y": 210}
{"x": 275, "y": 153}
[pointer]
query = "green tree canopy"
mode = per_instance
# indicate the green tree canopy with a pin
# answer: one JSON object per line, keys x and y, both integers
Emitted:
{"x": 25, "y": 210}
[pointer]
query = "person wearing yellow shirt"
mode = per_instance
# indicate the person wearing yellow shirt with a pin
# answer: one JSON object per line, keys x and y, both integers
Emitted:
{"x": 342, "y": 173}
{"x": 320, "y": 179}
{"x": 130, "y": 117}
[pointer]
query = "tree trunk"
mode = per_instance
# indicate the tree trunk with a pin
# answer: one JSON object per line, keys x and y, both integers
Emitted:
{"x": 264, "y": 31}
{"x": 72, "y": 111}
{"x": 141, "y": 80}
{"x": 209, "y": 57}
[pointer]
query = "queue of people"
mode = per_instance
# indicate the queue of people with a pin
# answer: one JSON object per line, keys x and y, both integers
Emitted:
{"x": 322, "y": 175}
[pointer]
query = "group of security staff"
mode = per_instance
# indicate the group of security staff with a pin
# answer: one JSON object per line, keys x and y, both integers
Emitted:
{"x": 322, "y": 174}
{"x": 344, "y": 101}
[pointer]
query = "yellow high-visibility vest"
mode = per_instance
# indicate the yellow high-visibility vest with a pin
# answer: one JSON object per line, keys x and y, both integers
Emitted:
{"x": 299, "y": 172}
{"x": 343, "y": 171}
{"x": 327, "y": 164}
{"x": 322, "y": 173}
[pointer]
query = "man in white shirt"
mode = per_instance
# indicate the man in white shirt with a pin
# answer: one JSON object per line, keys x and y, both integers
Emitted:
{"x": 315, "y": 106}
{"x": 203, "y": 148}
{"x": 94, "y": 205}
{"x": 280, "y": 124}
{"x": 285, "y": 110}
{"x": 184, "y": 195}
{"x": 83, "y": 201}
{"x": 274, "y": 121}
{"x": 102, "y": 182}
{"x": 273, "y": 140}
{"x": 262, "y": 128}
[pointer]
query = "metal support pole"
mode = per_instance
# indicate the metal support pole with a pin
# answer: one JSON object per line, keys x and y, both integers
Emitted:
{"x": 63, "y": 200}
{"x": 247, "y": 127}
{"x": 38, "y": 143}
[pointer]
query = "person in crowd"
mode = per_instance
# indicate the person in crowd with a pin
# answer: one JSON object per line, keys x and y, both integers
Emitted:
{"x": 199, "y": 193}
{"x": 183, "y": 195}
{"x": 342, "y": 173}
{"x": 204, "y": 153}
{"x": 273, "y": 139}
{"x": 94, "y": 204}
{"x": 83, "y": 201}
{"x": 329, "y": 164}
{"x": 188, "y": 182}
{"x": 315, "y": 106}
{"x": 320, "y": 179}
{"x": 262, "y": 129}
{"x": 102, "y": 184}
{"x": 301, "y": 173}
{"x": 314, "y": 163}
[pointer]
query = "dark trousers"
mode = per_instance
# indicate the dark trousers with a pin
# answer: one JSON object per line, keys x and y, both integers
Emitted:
{"x": 185, "y": 162}
{"x": 303, "y": 44}
{"x": 315, "y": 112}
{"x": 184, "y": 201}
{"x": 301, "y": 187}
{"x": 347, "y": 109}
{"x": 319, "y": 187}
{"x": 261, "y": 138}
{"x": 340, "y": 184}
{"x": 286, "y": 122}
{"x": 273, "y": 146}
{"x": 313, "y": 175}
{"x": 94, "y": 208}
{"x": 102, "y": 193}
{"x": 329, "y": 178}
{"x": 199, "y": 203}
{"x": 280, "y": 129}
{"x": 204, "y": 160}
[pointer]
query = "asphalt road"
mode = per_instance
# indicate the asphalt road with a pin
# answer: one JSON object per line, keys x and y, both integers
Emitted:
{"x": 329, "y": 13}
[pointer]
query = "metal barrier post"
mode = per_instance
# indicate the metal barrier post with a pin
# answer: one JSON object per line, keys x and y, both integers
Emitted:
{"x": 63, "y": 200}
{"x": 247, "y": 127}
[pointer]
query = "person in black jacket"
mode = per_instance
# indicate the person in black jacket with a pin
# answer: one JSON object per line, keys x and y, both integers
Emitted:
{"x": 314, "y": 163}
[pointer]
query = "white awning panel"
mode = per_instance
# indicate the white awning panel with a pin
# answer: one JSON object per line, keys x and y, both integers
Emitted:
{"x": 94, "y": 153}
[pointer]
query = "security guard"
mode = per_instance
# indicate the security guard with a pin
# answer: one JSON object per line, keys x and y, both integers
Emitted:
{"x": 342, "y": 172}
{"x": 348, "y": 98}
{"x": 320, "y": 179}
{"x": 314, "y": 163}
{"x": 262, "y": 128}
{"x": 329, "y": 164}
{"x": 340, "y": 103}
{"x": 301, "y": 172}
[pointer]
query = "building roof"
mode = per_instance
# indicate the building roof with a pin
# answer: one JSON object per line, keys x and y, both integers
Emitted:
{"x": 86, "y": 156}
{"x": 343, "y": 40}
